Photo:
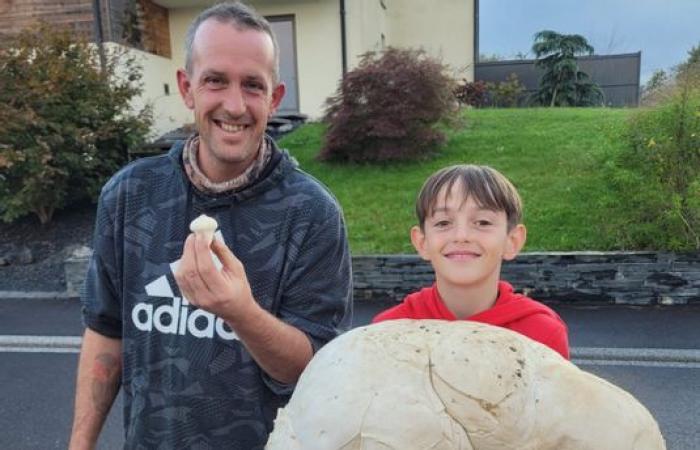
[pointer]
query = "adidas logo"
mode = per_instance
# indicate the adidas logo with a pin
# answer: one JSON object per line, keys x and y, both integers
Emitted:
{"x": 177, "y": 317}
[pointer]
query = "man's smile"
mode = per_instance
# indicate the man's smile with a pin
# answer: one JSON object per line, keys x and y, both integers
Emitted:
{"x": 230, "y": 127}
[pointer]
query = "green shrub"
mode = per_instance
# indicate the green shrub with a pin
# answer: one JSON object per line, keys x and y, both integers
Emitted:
{"x": 691, "y": 66}
{"x": 655, "y": 89}
{"x": 657, "y": 177}
{"x": 65, "y": 123}
{"x": 388, "y": 107}
{"x": 506, "y": 93}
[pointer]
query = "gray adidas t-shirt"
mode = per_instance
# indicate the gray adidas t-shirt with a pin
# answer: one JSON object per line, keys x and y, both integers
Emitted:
{"x": 188, "y": 381}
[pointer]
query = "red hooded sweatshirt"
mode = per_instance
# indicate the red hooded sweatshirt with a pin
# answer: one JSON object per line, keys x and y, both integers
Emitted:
{"x": 513, "y": 311}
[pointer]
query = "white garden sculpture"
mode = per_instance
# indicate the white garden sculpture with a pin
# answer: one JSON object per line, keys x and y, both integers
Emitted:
{"x": 419, "y": 385}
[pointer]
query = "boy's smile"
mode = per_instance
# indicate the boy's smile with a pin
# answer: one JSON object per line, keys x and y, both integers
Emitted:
{"x": 466, "y": 243}
{"x": 462, "y": 255}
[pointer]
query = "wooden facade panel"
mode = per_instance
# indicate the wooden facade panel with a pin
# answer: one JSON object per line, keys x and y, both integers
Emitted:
{"x": 157, "y": 27}
{"x": 16, "y": 15}
{"x": 138, "y": 23}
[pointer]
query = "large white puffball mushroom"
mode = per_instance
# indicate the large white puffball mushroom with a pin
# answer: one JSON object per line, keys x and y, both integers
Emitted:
{"x": 428, "y": 384}
{"x": 205, "y": 226}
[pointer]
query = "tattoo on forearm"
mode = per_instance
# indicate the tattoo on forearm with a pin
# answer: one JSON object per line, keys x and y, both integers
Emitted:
{"x": 105, "y": 381}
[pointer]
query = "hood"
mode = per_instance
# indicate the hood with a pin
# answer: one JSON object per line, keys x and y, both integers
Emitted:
{"x": 510, "y": 307}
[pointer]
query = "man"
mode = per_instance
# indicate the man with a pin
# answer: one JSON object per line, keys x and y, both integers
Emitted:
{"x": 207, "y": 348}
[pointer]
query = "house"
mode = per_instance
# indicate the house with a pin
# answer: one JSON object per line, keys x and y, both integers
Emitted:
{"x": 319, "y": 39}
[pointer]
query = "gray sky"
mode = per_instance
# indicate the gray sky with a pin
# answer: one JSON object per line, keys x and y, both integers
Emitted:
{"x": 664, "y": 30}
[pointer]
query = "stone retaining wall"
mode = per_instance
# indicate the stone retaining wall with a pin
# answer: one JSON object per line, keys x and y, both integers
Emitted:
{"x": 639, "y": 278}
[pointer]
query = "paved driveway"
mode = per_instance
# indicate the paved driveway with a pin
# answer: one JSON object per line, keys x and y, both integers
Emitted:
{"x": 653, "y": 353}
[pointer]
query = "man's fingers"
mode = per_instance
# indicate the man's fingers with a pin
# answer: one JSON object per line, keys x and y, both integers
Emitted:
{"x": 187, "y": 276}
{"x": 205, "y": 263}
{"x": 186, "y": 262}
{"x": 227, "y": 258}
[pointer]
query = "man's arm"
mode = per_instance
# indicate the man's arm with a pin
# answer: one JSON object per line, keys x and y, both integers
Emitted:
{"x": 280, "y": 349}
{"x": 99, "y": 373}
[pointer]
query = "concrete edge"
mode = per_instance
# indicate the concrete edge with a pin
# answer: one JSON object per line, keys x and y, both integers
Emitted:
{"x": 31, "y": 343}
{"x": 636, "y": 354}
{"x": 35, "y": 295}
{"x": 40, "y": 344}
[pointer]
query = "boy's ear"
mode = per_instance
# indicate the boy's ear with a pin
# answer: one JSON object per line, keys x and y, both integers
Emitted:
{"x": 515, "y": 242}
{"x": 418, "y": 241}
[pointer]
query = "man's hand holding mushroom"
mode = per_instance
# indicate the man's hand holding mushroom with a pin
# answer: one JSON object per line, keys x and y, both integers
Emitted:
{"x": 281, "y": 350}
{"x": 225, "y": 292}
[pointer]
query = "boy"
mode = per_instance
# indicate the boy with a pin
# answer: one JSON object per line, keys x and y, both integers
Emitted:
{"x": 469, "y": 221}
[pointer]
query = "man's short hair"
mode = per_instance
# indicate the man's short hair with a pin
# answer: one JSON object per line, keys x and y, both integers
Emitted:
{"x": 488, "y": 187}
{"x": 241, "y": 16}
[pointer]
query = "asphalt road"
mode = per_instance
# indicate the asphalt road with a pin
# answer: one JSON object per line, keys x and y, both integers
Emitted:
{"x": 37, "y": 383}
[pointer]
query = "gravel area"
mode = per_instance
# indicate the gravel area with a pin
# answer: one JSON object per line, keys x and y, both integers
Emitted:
{"x": 49, "y": 245}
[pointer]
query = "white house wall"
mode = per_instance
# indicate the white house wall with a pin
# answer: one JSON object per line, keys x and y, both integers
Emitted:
{"x": 443, "y": 28}
{"x": 169, "y": 112}
{"x": 365, "y": 25}
{"x": 157, "y": 71}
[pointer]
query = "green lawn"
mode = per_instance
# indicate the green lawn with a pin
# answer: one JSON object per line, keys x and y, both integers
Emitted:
{"x": 553, "y": 156}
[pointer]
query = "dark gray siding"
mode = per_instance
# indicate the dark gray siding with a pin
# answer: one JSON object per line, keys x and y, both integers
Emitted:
{"x": 617, "y": 75}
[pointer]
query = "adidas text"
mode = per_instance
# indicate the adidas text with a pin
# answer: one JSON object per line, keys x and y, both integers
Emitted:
{"x": 178, "y": 319}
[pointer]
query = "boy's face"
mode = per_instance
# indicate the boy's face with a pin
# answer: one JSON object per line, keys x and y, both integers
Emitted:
{"x": 465, "y": 243}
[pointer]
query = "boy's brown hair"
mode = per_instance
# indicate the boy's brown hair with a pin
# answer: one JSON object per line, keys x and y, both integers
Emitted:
{"x": 488, "y": 187}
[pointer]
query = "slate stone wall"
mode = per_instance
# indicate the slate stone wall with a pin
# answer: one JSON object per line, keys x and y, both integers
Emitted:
{"x": 637, "y": 278}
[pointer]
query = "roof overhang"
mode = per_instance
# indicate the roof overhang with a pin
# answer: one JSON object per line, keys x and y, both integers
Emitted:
{"x": 170, "y": 4}
{"x": 175, "y": 4}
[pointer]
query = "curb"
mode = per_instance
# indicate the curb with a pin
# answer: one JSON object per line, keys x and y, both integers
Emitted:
{"x": 664, "y": 355}
{"x": 35, "y": 295}
{"x": 582, "y": 355}
{"x": 43, "y": 344}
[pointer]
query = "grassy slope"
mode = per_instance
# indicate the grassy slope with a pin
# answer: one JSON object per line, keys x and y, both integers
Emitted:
{"x": 553, "y": 156}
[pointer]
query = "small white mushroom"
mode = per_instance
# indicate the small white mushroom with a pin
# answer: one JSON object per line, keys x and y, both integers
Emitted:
{"x": 204, "y": 226}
